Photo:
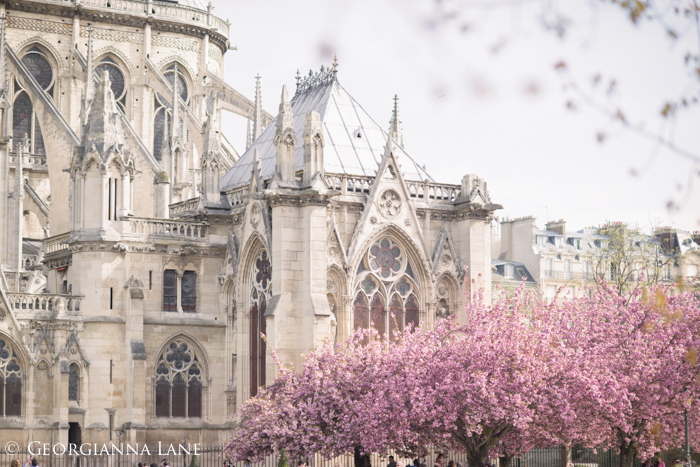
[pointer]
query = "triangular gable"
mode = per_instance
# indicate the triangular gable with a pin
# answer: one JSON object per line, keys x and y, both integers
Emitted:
{"x": 335, "y": 238}
{"x": 445, "y": 239}
{"x": 74, "y": 342}
{"x": 388, "y": 165}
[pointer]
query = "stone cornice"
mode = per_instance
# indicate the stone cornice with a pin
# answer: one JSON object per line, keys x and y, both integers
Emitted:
{"x": 299, "y": 198}
{"x": 120, "y": 17}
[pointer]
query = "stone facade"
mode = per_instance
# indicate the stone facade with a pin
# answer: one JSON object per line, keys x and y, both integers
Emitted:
{"x": 136, "y": 280}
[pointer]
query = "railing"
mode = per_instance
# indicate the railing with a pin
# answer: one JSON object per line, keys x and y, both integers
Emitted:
{"x": 169, "y": 228}
{"x": 180, "y": 12}
{"x": 28, "y": 261}
{"x": 44, "y": 302}
{"x": 183, "y": 206}
{"x": 56, "y": 243}
{"x": 434, "y": 191}
{"x": 32, "y": 161}
{"x": 236, "y": 196}
{"x": 349, "y": 183}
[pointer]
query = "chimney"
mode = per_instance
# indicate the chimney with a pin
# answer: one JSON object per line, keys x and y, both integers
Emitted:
{"x": 557, "y": 226}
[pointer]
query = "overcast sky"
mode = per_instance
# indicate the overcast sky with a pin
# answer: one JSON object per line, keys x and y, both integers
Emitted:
{"x": 479, "y": 94}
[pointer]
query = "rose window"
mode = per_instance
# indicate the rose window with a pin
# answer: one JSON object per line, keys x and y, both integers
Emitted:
{"x": 385, "y": 259}
{"x": 263, "y": 271}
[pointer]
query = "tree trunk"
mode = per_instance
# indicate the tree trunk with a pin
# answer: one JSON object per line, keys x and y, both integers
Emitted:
{"x": 566, "y": 456}
{"x": 627, "y": 455}
{"x": 361, "y": 460}
{"x": 504, "y": 461}
{"x": 477, "y": 457}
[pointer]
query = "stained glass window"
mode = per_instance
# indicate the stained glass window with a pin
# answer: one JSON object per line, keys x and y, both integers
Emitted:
{"x": 73, "y": 382}
{"x": 179, "y": 387}
{"x": 38, "y": 138}
{"x": 181, "y": 84}
{"x": 160, "y": 127}
{"x": 189, "y": 292}
{"x": 261, "y": 281}
{"x": 10, "y": 374}
{"x": 387, "y": 286}
{"x": 170, "y": 290}
{"x": 39, "y": 67}
{"x": 21, "y": 118}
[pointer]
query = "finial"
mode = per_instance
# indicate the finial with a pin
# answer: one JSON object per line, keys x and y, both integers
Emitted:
{"x": 395, "y": 123}
{"x": 298, "y": 81}
{"x": 3, "y": 72}
{"x": 335, "y": 65}
{"x": 257, "y": 110}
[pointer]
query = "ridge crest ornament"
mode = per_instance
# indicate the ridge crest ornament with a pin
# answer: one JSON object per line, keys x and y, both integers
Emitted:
{"x": 390, "y": 204}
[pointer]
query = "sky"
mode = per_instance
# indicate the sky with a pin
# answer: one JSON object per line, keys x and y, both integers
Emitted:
{"x": 479, "y": 94}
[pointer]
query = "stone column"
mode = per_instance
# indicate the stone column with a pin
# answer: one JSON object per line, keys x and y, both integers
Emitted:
{"x": 136, "y": 369}
{"x": 105, "y": 197}
{"x": 126, "y": 191}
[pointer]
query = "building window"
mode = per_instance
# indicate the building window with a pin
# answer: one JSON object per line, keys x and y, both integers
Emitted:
{"x": 179, "y": 382}
{"x": 189, "y": 292}
{"x": 559, "y": 241}
{"x": 10, "y": 381}
{"x": 73, "y": 375}
{"x": 162, "y": 110}
{"x": 577, "y": 244}
{"x": 170, "y": 290}
{"x": 261, "y": 290}
{"x": 508, "y": 271}
{"x": 541, "y": 241}
{"x": 388, "y": 308}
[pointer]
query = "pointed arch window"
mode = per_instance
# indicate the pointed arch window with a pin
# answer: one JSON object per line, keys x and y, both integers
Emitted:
{"x": 10, "y": 381}
{"x": 386, "y": 296}
{"x": 162, "y": 108}
{"x": 178, "y": 390}
{"x": 73, "y": 381}
{"x": 261, "y": 289}
{"x": 116, "y": 78}
{"x": 26, "y": 122}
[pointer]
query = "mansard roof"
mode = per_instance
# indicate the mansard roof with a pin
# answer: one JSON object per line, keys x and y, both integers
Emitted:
{"x": 354, "y": 141}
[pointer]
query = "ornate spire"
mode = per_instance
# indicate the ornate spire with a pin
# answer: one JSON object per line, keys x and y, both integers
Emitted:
{"x": 210, "y": 162}
{"x": 395, "y": 123}
{"x": 248, "y": 135}
{"x": 102, "y": 127}
{"x": 89, "y": 76}
{"x": 335, "y": 66}
{"x": 285, "y": 141}
{"x": 175, "y": 124}
{"x": 3, "y": 67}
{"x": 257, "y": 113}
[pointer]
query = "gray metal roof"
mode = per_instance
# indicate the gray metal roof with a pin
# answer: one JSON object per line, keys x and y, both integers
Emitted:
{"x": 354, "y": 142}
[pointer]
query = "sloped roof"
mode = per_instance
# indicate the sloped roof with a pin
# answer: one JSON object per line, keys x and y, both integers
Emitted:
{"x": 354, "y": 141}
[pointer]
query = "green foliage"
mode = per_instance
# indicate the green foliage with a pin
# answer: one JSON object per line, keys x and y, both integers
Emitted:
{"x": 283, "y": 461}
{"x": 195, "y": 461}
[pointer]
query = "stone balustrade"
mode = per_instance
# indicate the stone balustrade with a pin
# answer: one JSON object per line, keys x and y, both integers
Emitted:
{"x": 420, "y": 190}
{"x": 349, "y": 183}
{"x": 44, "y": 302}
{"x": 56, "y": 243}
{"x": 170, "y": 228}
{"x": 161, "y": 10}
{"x": 236, "y": 196}
{"x": 184, "y": 206}
{"x": 31, "y": 161}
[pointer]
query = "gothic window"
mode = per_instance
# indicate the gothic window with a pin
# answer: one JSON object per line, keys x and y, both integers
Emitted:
{"x": 170, "y": 290}
{"x": 386, "y": 290}
{"x": 10, "y": 381}
{"x": 261, "y": 289}
{"x": 189, "y": 292}
{"x": 162, "y": 108}
{"x": 73, "y": 374}
{"x": 40, "y": 68}
{"x": 179, "y": 382}
{"x": 116, "y": 78}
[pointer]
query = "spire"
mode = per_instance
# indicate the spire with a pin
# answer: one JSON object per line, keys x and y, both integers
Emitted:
{"x": 210, "y": 162}
{"x": 3, "y": 67}
{"x": 395, "y": 123}
{"x": 89, "y": 76}
{"x": 175, "y": 124}
{"x": 248, "y": 134}
{"x": 312, "y": 143}
{"x": 335, "y": 67}
{"x": 298, "y": 81}
{"x": 285, "y": 141}
{"x": 102, "y": 127}
{"x": 257, "y": 113}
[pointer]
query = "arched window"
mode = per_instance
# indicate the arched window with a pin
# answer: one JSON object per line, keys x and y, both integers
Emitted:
{"x": 162, "y": 108}
{"x": 261, "y": 289}
{"x": 39, "y": 67}
{"x": 10, "y": 381}
{"x": 179, "y": 375}
{"x": 116, "y": 78}
{"x": 73, "y": 380}
{"x": 386, "y": 289}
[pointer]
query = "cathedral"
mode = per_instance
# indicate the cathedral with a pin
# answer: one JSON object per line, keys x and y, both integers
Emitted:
{"x": 141, "y": 258}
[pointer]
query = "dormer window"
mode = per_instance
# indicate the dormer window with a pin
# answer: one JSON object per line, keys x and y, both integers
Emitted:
{"x": 577, "y": 243}
{"x": 541, "y": 241}
{"x": 559, "y": 242}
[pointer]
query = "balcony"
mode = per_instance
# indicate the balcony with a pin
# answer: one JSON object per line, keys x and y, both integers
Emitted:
{"x": 24, "y": 302}
{"x": 144, "y": 229}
